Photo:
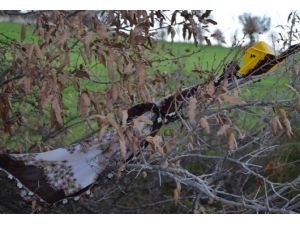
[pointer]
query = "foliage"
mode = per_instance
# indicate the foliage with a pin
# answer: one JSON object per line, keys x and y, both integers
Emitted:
{"x": 226, "y": 152}
{"x": 253, "y": 25}
{"x": 72, "y": 53}
{"x": 290, "y": 32}
{"x": 218, "y": 36}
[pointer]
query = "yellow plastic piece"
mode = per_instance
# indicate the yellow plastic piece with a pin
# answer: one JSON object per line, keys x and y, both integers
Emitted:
{"x": 254, "y": 54}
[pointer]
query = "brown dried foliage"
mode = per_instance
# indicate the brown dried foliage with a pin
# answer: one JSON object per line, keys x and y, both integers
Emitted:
{"x": 41, "y": 70}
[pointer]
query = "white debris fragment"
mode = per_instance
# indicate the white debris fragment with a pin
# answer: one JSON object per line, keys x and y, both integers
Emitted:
{"x": 65, "y": 201}
{"x": 76, "y": 198}
{"x": 159, "y": 119}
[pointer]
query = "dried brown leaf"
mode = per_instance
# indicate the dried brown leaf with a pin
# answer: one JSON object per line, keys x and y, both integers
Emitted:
{"x": 140, "y": 122}
{"x": 155, "y": 142}
{"x": 27, "y": 82}
{"x": 57, "y": 112}
{"x": 102, "y": 130}
{"x": 101, "y": 59}
{"x": 223, "y": 130}
{"x": 5, "y": 108}
{"x": 176, "y": 196}
{"x": 122, "y": 140}
{"x": 171, "y": 31}
{"x": 197, "y": 68}
{"x": 81, "y": 73}
{"x": 210, "y": 88}
{"x": 121, "y": 169}
{"x": 184, "y": 30}
{"x": 129, "y": 69}
{"x": 225, "y": 85}
{"x": 30, "y": 51}
{"x": 76, "y": 84}
{"x": 177, "y": 192}
{"x": 139, "y": 40}
{"x": 23, "y": 33}
{"x": 64, "y": 60}
{"x": 33, "y": 205}
{"x": 298, "y": 103}
{"x": 232, "y": 99}
{"x": 231, "y": 141}
{"x": 124, "y": 118}
{"x": 62, "y": 80}
{"x": 45, "y": 96}
{"x": 283, "y": 113}
{"x": 207, "y": 40}
{"x": 115, "y": 91}
{"x": 38, "y": 52}
{"x": 205, "y": 14}
{"x": 63, "y": 38}
{"x": 173, "y": 18}
{"x": 287, "y": 127}
{"x": 241, "y": 135}
{"x": 88, "y": 38}
{"x": 123, "y": 147}
{"x": 141, "y": 74}
{"x": 84, "y": 103}
{"x": 101, "y": 30}
{"x": 108, "y": 102}
{"x": 110, "y": 62}
{"x": 204, "y": 124}
{"x": 211, "y": 21}
{"x": 144, "y": 94}
{"x": 192, "y": 110}
{"x": 275, "y": 123}
{"x": 133, "y": 141}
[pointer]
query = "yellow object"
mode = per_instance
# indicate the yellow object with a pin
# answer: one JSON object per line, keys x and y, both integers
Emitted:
{"x": 255, "y": 54}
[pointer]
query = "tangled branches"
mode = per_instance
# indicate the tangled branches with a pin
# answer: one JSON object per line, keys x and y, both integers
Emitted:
{"x": 214, "y": 147}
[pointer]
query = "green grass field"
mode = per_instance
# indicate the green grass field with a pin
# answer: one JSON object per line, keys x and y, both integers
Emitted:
{"x": 175, "y": 58}
{"x": 208, "y": 58}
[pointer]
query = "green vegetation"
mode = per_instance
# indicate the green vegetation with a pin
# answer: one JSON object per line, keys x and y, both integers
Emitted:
{"x": 183, "y": 60}
{"x": 167, "y": 57}
{"x": 206, "y": 57}
{"x": 12, "y": 30}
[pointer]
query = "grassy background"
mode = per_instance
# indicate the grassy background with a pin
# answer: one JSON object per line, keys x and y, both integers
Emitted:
{"x": 179, "y": 59}
{"x": 207, "y": 58}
